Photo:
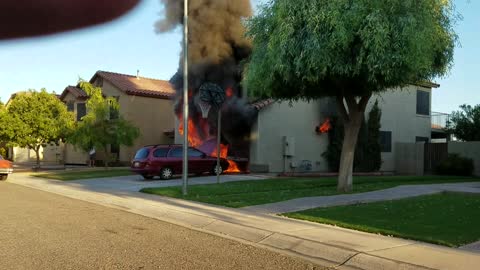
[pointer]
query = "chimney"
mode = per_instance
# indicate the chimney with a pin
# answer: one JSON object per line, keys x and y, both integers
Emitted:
{"x": 138, "y": 74}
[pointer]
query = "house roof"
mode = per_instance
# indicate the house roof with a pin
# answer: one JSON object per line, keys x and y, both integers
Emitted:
{"x": 137, "y": 86}
{"x": 260, "y": 104}
{"x": 77, "y": 92}
{"x": 427, "y": 84}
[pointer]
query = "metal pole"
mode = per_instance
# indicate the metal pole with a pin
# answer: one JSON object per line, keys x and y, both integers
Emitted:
{"x": 219, "y": 127}
{"x": 185, "y": 98}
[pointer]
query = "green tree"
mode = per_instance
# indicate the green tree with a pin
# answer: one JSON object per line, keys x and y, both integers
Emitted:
{"x": 368, "y": 150}
{"x": 350, "y": 50}
{"x": 465, "y": 123}
{"x": 34, "y": 120}
{"x": 373, "y": 155}
{"x": 97, "y": 128}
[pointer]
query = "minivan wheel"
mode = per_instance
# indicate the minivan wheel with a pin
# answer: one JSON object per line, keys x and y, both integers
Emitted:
{"x": 147, "y": 176}
{"x": 214, "y": 170}
{"x": 3, "y": 177}
{"x": 166, "y": 173}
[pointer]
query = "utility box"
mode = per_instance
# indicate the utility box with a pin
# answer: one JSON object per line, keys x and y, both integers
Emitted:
{"x": 288, "y": 146}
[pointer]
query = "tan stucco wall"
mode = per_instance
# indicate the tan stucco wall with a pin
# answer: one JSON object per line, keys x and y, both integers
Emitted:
{"x": 151, "y": 115}
{"x": 399, "y": 115}
{"x": 298, "y": 122}
{"x": 51, "y": 154}
{"x": 275, "y": 121}
{"x": 71, "y": 155}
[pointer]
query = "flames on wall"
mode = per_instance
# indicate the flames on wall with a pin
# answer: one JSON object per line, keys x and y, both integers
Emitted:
{"x": 324, "y": 127}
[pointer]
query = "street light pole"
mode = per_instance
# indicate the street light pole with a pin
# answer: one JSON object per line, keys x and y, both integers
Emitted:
{"x": 185, "y": 99}
{"x": 219, "y": 133}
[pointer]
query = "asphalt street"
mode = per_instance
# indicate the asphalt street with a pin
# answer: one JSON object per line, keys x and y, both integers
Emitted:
{"x": 40, "y": 230}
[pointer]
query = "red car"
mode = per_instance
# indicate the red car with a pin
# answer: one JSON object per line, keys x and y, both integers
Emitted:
{"x": 6, "y": 168}
{"x": 166, "y": 161}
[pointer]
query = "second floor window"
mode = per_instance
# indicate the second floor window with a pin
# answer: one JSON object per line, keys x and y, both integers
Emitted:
{"x": 81, "y": 111}
{"x": 423, "y": 102}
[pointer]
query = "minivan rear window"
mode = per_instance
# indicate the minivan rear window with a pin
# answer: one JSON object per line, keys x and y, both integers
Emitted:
{"x": 142, "y": 153}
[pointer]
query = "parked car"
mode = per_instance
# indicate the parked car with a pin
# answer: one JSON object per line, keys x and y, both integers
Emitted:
{"x": 6, "y": 168}
{"x": 166, "y": 161}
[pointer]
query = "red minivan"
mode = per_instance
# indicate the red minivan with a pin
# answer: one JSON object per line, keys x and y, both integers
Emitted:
{"x": 166, "y": 161}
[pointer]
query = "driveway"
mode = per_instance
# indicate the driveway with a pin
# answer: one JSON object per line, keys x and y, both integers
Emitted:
{"x": 136, "y": 182}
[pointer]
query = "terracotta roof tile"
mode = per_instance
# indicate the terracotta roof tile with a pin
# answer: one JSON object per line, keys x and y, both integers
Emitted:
{"x": 140, "y": 86}
{"x": 260, "y": 104}
{"x": 76, "y": 91}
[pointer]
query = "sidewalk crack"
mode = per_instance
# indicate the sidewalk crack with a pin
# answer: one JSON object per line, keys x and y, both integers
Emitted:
{"x": 208, "y": 224}
{"x": 265, "y": 237}
{"x": 347, "y": 260}
{"x": 399, "y": 246}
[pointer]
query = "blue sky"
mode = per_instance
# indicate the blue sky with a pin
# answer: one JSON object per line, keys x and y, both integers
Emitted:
{"x": 130, "y": 43}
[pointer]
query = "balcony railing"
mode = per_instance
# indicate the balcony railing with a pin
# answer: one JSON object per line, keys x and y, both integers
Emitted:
{"x": 439, "y": 120}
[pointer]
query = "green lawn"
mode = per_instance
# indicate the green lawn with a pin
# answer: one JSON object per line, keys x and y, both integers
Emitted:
{"x": 450, "y": 219}
{"x": 246, "y": 193}
{"x": 83, "y": 174}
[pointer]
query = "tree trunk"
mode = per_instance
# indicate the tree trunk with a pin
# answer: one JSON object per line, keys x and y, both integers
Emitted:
{"x": 107, "y": 158}
{"x": 352, "y": 129}
{"x": 352, "y": 119}
{"x": 37, "y": 153}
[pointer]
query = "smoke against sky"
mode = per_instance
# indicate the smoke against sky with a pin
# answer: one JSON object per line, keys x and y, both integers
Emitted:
{"x": 214, "y": 25}
{"x": 217, "y": 47}
{"x": 130, "y": 43}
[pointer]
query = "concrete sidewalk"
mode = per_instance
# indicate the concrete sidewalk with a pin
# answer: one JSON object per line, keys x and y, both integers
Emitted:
{"x": 322, "y": 244}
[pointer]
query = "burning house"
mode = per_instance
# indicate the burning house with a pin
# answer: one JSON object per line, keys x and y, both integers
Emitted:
{"x": 265, "y": 135}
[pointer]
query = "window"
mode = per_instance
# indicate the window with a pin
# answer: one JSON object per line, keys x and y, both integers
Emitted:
{"x": 70, "y": 106}
{"x": 142, "y": 153}
{"x": 81, "y": 111}
{"x": 422, "y": 139}
{"x": 194, "y": 153}
{"x": 386, "y": 141}
{"x": 176, "y": 152}
{"x": 160, "y": 152}
{"x": 423, "y": 102}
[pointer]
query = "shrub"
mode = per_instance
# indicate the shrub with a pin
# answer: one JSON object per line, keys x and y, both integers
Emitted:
{"x": 456, "y": 165}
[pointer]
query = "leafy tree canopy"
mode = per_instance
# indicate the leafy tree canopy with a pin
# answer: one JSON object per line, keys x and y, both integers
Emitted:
{"x": 347, "y": 49}
{"x": 97, "y": 128}
{"x": 34, "y": 119}
{"x": 465, "y": 123}
{"x": 314, "y": 48}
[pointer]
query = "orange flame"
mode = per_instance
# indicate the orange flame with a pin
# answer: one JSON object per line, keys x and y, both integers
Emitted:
{"x": 229, "y": 92}
{"x": 325, "y": 127}
{"x": 223, "y": 151}
{"x": 232, "y": 167}
{"x": 194, "y": 138}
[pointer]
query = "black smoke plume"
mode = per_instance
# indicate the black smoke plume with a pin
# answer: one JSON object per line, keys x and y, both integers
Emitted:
{"x": 217, "y": 47}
